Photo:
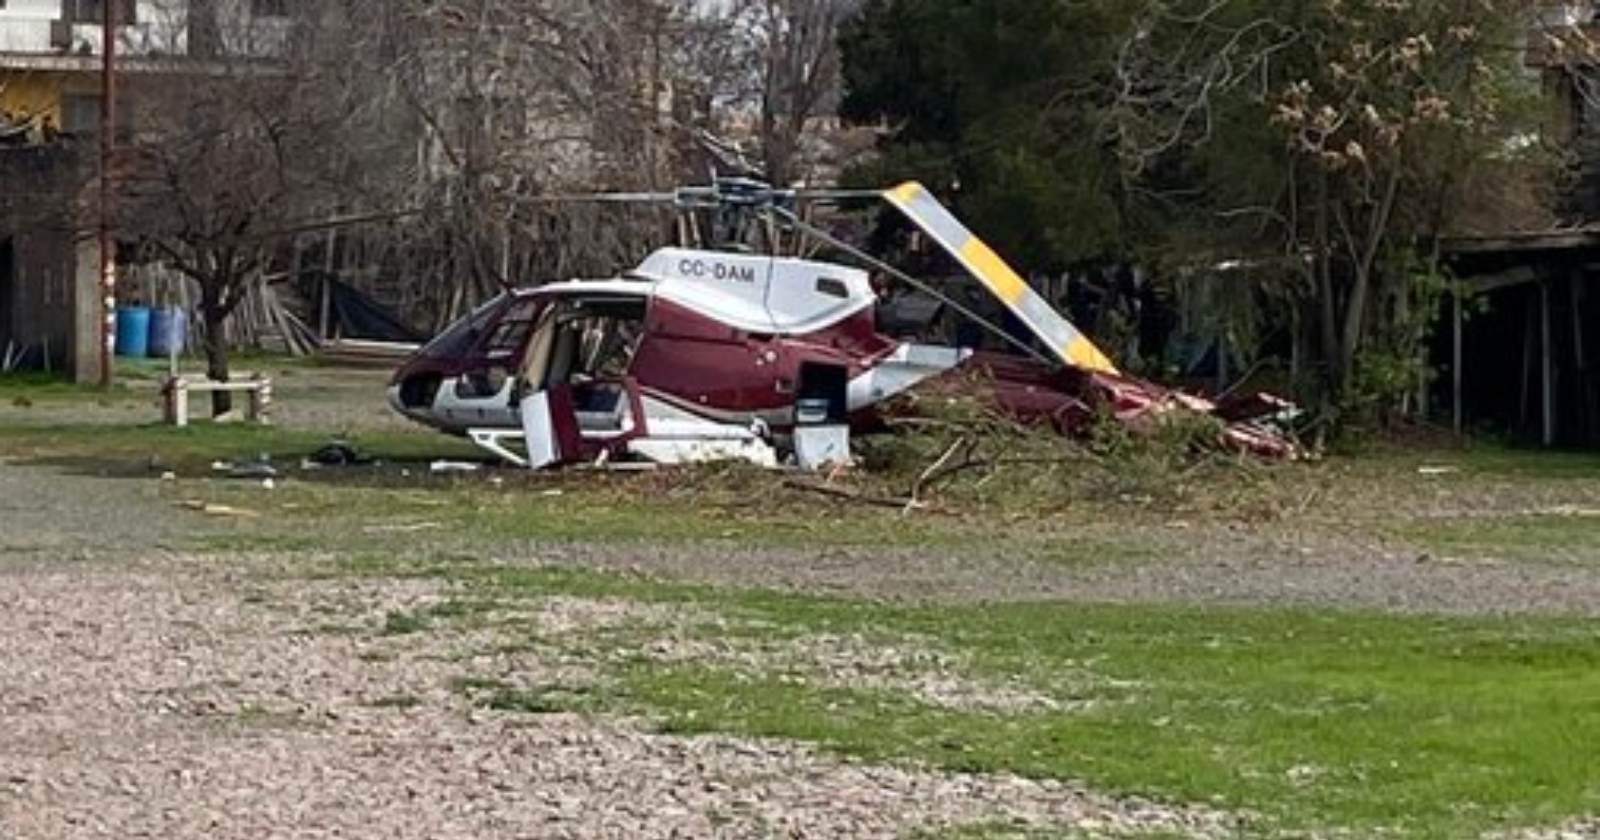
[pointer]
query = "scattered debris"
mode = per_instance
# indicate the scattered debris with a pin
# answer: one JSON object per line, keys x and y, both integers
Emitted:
{"x": 253, "y": 470}
{"x": 340, "y": 453}
{"x": 447, "y": 467}
{"x": 855, "y": 495}
{"x": 411, "y": 528}
{"x": 1435, "y": 472}
{"x": 210, "y": 509}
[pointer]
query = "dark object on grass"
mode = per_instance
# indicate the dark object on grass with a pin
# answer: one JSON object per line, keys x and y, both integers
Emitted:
{"x": 340, "y": 454}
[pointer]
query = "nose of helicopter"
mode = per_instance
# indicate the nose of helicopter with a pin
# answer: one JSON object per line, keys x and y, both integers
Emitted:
{"x": 394, "y": 399}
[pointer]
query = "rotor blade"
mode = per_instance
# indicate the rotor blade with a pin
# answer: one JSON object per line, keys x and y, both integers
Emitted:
{"x": 599, "y": 198}
{"x": 925, "y": 288}
{"x": 326, "y": 224}
{"x": 835, "y": 195}
{"x": 1066, "y": 342}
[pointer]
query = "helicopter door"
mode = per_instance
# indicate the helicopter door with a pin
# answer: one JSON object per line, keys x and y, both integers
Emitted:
{"x": 550, "y": 427}
{"x": 484, "y": 394}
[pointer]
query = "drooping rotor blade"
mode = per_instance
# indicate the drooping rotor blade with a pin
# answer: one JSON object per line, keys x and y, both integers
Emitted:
{"x": 1065, "y": 341}
{"x": 600, "y": 198}
{"x": 869, "y": 260}
{"x": 835, "y": 195}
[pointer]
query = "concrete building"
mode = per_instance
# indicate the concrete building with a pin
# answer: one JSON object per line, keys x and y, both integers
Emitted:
{"x": 50, "y": 93}
{"x": 50, "y": 51}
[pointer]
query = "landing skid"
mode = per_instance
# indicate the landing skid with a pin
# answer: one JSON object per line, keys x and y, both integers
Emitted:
{"x": 510, "y": 445}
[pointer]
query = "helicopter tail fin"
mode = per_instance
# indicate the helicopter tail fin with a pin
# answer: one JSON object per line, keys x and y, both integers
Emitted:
{"x": 1064, "y": 341}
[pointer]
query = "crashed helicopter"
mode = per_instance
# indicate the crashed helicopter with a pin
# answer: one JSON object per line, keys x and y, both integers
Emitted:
{"x": 720, "y": 352}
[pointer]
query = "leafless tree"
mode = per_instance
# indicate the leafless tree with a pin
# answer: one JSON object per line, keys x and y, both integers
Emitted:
{"x": 231, "y": 149}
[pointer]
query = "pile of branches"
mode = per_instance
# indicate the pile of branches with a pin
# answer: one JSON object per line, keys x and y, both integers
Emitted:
{"x": 949, "y": 446}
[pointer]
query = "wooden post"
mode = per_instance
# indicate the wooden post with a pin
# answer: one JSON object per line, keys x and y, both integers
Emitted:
{"x": 1455, "y": 365}
{"x": 1549, "y": 372}
{"x": 325, "y": 309}
{"x": 1580, "y": 365}
{"x": 1222, "y": 360}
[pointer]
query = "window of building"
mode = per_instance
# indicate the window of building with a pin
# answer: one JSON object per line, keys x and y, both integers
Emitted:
{"x": 80, "y": 114}
{"x": 94, "y": 11}
{"x": 269, "y": 8}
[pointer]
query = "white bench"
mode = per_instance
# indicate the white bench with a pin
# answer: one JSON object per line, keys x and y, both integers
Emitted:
{"x": 177, "y": 389}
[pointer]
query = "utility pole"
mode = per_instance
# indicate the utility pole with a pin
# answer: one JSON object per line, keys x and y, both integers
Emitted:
{"x": 108, "y": 257}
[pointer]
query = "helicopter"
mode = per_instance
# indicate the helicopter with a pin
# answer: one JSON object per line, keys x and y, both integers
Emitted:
{"x": 720, "y": 351}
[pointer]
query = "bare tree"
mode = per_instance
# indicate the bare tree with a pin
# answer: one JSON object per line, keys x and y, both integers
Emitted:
{"x": 231, "y": 150}
{"x": 790, "y": 61}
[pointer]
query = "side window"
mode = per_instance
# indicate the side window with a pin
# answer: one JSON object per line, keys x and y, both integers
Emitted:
{"x": 459, "y": 340}
{"x": 512, "y": 332}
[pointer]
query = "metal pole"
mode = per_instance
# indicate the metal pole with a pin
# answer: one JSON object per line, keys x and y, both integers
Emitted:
{"x": 108, "y": 261}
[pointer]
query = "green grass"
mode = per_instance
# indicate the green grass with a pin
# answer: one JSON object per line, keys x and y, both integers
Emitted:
{"x": 1535, "y": 537}
{"x": 1418, "y": 726}
{"x": 192, "y": 449}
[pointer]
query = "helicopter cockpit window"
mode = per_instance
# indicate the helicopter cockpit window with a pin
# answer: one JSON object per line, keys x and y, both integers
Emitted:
{"x": 512, "y": 332}
{"x": 459, "y": 340}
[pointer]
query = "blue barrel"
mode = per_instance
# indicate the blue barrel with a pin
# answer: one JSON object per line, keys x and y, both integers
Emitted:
{"x": 133, "y": 330}
{"x": 169, "y": 331}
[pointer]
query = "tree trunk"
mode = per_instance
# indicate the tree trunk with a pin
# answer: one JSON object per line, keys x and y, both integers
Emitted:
{"x": 216, "y": 317}
{"x": 1356, "y": 307}
{"x": 1325, "y": 292}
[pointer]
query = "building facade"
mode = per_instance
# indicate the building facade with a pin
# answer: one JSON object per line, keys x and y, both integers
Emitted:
{"x": 51, "y": 52}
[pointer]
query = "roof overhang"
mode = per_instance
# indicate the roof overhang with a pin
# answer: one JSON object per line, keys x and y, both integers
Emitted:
{"x": 139, "y": 65}
{"x": 1566, "y": 239}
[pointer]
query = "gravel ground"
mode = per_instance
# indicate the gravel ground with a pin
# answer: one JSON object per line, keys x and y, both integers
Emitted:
{"x": 169, "y": 701}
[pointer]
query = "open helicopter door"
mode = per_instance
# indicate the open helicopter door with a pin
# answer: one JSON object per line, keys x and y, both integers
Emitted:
{"x": 1063, "y": 340}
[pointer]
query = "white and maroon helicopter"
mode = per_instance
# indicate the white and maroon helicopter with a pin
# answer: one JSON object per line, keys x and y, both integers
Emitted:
{"x": 719, "y": 353}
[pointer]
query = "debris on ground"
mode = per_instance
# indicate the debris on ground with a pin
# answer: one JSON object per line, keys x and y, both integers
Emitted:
{"x": 448, "y": 467}
{"x": 340, "y": 453}
{"x": 256, "y": 470}
{"x": 1074, "y": 402}
{"x": 408, "y": 528}
{"x": 210, "y": 509}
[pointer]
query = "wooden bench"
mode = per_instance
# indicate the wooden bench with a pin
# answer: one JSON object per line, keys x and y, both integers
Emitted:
{"x": 177, "y": 389}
